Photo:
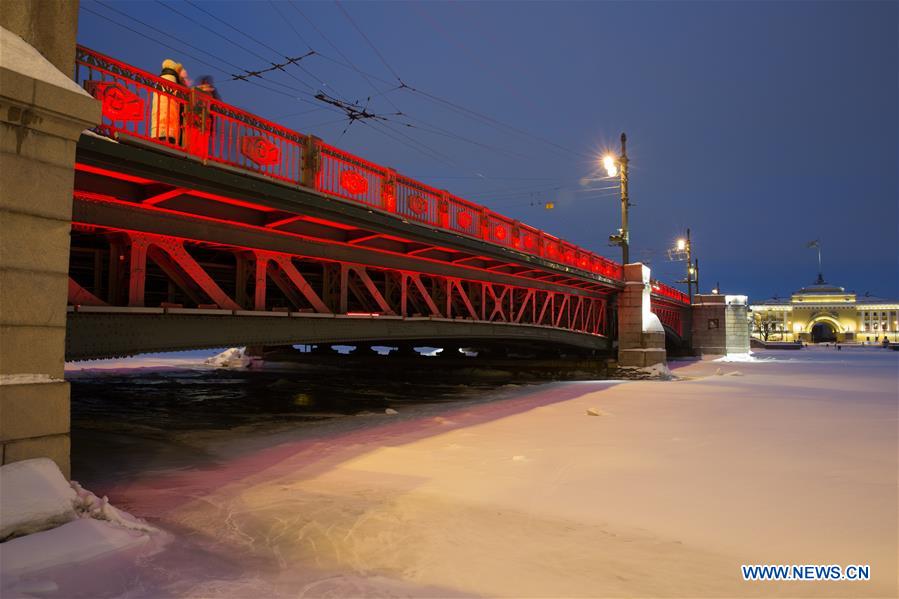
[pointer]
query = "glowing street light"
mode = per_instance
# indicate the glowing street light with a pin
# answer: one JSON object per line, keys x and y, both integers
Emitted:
{"x": 683, "y": 250}
{"x": 608, "y": 163}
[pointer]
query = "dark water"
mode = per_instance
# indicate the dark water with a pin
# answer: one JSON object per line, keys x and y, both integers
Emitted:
{"x": 130, "y": 421}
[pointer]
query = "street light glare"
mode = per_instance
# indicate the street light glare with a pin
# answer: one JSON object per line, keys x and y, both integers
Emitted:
{"x": 681, "y": 244}
{"x": 608, "y": 163}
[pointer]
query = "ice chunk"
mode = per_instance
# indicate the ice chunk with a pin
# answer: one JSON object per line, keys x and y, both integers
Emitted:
{"x": 234, "y": 357}
{"x": 390, "y": 411}
{"x": 34, "y": 496}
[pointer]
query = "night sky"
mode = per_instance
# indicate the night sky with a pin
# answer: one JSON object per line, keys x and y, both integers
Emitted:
{"x": 759, "y": 125}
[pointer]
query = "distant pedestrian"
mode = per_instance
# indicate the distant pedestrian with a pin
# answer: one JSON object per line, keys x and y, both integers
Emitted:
{"x": 201, "y": 123}
{"x": 166, "y": 118}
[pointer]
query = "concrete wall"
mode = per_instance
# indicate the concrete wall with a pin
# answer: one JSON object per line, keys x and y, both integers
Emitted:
{"x": 720, "y": 324}
{"x": 42, "y": 114}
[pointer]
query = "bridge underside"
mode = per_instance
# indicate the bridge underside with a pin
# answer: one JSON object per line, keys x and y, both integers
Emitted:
{"x": 98, "y": 334}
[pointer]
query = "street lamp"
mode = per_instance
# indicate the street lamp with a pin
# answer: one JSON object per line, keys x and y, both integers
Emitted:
{"x": 683, "y": 250}
{"x": 617, "y": 166}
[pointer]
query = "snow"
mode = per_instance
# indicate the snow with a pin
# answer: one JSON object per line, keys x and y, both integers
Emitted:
{"x": 737, "y": 357}
{"x": 91, "y": 133}
{"x": 677, "y": 484}
{"x": 68, "y": 545}
{"x": 18, "y": 55}
{"x": 656, "y": 371}
{"x": 234, "y": 357}
{"x": 34, "y": 496}
{"x": 59, "y": 527}
{"x": 27, "y": 379}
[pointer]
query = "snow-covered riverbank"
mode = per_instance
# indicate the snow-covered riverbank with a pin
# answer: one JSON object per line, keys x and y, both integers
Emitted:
{"x": 665, "y": 492}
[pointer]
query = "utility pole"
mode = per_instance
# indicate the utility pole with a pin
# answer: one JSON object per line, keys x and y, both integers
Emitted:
{"x": 696, "y": 272}
{"x": 622, "y": 238}
{"x": 625, "y": 232}
{"x": 689, "y": 268}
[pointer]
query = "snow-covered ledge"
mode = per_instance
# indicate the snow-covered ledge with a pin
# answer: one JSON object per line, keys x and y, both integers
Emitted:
{"x": 42, "y": 115}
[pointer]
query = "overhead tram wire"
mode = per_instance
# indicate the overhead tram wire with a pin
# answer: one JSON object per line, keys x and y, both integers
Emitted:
{"x": 402, "y": 84}
{"x": 248, "y": 73}
{"x": 131, "y": 29}
{"x": 427, "y": 150}
{"x": 371, "y": 45}
{"x": 195, "y": 58}
{"x": 367, "y": 76}
{"x": 268, "y": 47}
{"x": 349, "y": 63}
{"x": 234, "y": 43}
{"x": 157, "y": 30}
{"x": 455, "y": 107}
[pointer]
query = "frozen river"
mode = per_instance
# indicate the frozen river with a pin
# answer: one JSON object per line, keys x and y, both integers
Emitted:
{"x": 281, "y": 485}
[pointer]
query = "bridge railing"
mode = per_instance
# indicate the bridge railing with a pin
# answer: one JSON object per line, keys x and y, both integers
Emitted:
{"x": 669, "y": 292}
{"x": 143, "y": 106}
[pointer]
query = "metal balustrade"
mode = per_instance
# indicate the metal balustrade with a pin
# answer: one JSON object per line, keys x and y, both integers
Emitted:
{"x": 141, "y": 106}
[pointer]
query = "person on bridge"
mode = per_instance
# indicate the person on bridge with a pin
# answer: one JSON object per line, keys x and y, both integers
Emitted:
{"x": 166, "y": 118}
{"x": 201, "y": 123}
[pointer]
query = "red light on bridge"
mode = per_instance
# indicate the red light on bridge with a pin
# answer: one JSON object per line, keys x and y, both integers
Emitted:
{"x": 260, "y": 150}
{"x": 353, "y": 182}
{"x": 464, "y": 219}
{"x": 94, "y": 170}
{"x": 119, "y": 103}
{"x": 418, "y": 204}
{"x": 499, "y": 232}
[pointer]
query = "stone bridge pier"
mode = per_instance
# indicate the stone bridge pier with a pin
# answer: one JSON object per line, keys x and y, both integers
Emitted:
{"x": 641, "y": 337}
{"x": 42, "y": 114}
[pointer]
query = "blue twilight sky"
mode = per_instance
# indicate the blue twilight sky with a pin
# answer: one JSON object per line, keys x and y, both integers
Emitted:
{"x": 759, "y": 125}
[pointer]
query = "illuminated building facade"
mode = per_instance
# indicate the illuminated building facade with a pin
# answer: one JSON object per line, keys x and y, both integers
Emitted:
{"x": 826, "y": 313}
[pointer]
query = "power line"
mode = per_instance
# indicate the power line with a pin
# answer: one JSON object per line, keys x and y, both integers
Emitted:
{"x": 148, "y": 26}
{"x": 233, "y": 28}
{"x": 192, "y": 57}
{"x": 349, "y": 63}
{"x": 131, "y": 29}
{"x": 371, "y": 45}
{"x": 450, "y": 134}
{"x": 275, "y": 67}
{"x": 231, "y": 41}
{"x": 289, "y": 23}
{"x": 396, "y": 138}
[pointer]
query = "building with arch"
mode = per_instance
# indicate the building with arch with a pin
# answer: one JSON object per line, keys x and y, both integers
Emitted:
{"x": 826, "y": 313}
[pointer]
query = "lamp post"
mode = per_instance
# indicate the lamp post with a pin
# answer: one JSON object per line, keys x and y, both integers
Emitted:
{"x": 618, "y": 166}
{"x": 682, "y": 247}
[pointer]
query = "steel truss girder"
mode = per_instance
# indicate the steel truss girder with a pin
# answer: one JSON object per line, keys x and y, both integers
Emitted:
{"x": 343, "y": 288}
{"x": 669, "y": 316}
{"x": 120, "y": 215}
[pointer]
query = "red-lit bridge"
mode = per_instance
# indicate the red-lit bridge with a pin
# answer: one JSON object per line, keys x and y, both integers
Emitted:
{"x": 197, "y": 224}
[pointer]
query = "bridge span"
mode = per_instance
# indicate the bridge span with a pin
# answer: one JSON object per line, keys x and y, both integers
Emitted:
{"x": 222, "y": 228}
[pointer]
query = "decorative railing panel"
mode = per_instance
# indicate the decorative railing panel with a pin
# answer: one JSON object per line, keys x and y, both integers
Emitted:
{"x": 350, "y": 177}
{"x": 417, "y": 202}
